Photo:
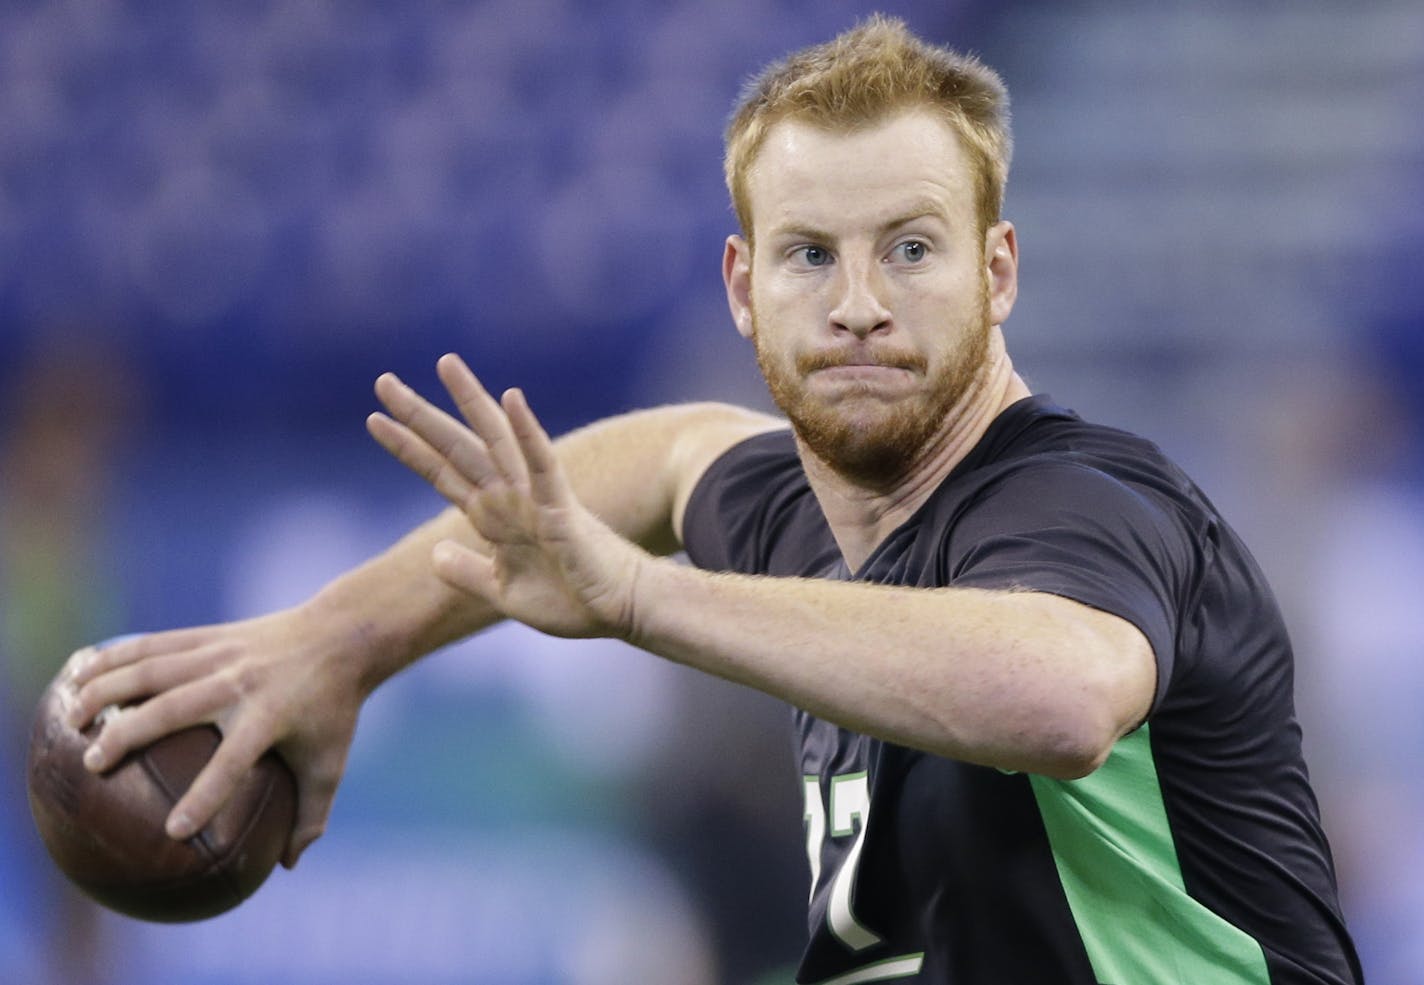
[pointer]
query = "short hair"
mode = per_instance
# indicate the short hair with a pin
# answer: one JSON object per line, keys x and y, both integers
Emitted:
{"x": 872, "y": 72}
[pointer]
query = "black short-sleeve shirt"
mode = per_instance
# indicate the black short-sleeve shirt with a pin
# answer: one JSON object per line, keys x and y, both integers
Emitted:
{"x": 1194, "y": 855}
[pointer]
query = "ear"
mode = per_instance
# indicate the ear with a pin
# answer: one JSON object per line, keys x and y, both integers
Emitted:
{"x": 737, "y": 276}
{"x": 1001, "y": 254}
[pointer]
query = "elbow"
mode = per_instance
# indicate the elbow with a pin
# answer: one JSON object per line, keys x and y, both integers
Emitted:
{"x": 1047, "y": 739}
{"x": 1073, "y": 732}
{"x": 1071, "y": 747}
{"x": 1063, "y": 733}
{"x": 1079, "y": 721}
{"x": 1076, "y": 763}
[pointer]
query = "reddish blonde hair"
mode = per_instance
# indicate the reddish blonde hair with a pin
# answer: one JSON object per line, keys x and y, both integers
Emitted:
{"x": 871, "y": 72}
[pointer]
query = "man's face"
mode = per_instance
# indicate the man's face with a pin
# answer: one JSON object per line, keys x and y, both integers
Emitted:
{"x": 867, "y": 295}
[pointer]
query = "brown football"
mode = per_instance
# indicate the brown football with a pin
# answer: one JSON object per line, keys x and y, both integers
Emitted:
{"x": 105, "y": 832}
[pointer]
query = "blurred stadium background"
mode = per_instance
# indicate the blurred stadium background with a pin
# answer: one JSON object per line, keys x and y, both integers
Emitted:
{"x": 220, "y": 221}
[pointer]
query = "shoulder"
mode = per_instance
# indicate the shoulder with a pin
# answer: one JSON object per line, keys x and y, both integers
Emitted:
{"x": 1058, "y": 504}
{"x": 705, "y": 433}
{"x": 724, "y": 472}
{"x": 1060, "y": 485}
{"x": 753, "y": 511}
{"x": 1057, "y": 464}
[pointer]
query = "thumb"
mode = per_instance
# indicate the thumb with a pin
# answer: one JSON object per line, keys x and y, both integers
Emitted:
{"x": 310, "y": 825}
{"x": 299, "y": 844}
{"x": 469, "y": 571}
{"x": 315, "y": 792}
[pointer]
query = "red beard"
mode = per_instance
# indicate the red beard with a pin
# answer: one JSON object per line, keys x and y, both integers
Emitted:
{"x": 861, "y": 437}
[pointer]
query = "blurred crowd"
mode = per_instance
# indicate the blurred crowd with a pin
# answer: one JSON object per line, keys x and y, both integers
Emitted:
{"x": 220, "y": 221}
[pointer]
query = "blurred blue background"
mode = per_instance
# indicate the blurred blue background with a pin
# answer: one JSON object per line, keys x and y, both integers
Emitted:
{"x": 220, "y": 222}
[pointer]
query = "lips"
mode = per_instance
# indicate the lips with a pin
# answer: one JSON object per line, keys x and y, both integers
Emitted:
{"x": 838, "y": 359}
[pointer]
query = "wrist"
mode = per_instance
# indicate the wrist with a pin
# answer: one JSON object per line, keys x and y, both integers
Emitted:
{"x": 656, "y": 584}
{"x": 366, "y": 643}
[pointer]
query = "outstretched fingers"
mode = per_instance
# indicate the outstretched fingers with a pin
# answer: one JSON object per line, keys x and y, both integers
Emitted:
{"x": 415, "y": 454}
{"x": 485, "y": 416}
{"x": 458, "y": 459}
{"x": 547, "y": 483}
{"x": 430, "y": 442}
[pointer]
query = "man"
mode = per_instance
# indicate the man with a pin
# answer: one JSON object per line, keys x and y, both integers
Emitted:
{"x": 1043, "y": 694}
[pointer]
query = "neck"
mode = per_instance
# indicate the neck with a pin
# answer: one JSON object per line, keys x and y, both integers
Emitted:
{"x": 861, "y": 517}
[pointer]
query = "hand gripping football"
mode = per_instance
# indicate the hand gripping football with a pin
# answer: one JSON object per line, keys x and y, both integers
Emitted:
{"x": 105, "y": 831}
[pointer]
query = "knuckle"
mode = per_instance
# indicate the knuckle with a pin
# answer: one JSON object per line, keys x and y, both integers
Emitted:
{"x": 112, "y": 740}
{"x": 82, "y": 661}
{"x": 82, "y": 706}
{"x": 227, "y": 689}
{"x": 86, "y": 665}
{"x": 435, "y": 473}
{"x": 146, "y": 677}
{"x": 238, "y": 680}
{"x": 248, "y": 679}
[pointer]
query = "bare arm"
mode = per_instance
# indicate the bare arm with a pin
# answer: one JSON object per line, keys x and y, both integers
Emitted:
{"x": 1017, "y": 680}
{"x": 634, "y": 472}
{"x": 296, "y": 679}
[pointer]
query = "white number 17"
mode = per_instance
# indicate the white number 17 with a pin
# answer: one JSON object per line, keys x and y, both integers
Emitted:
{"x": 850, "y": 802}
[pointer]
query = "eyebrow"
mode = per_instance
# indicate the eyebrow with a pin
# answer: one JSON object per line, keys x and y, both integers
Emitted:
{"x": 925, "y": 208}
{"x": 920, "y": 209}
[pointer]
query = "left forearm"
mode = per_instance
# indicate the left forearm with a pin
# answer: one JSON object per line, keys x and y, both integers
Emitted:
{"x": 1016, "y": 680}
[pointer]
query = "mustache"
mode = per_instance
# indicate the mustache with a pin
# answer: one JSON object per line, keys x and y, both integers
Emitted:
{"x": 809, "y": 362}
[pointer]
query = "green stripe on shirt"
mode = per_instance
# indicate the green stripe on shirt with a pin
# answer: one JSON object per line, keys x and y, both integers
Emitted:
{"x": 1118, "y": 865}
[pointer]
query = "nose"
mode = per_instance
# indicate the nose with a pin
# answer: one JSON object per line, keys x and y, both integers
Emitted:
{"x": 860, "y": 307}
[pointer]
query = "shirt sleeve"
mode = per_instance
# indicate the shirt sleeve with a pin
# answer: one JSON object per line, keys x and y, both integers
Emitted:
{"x": 753, "y": 512}
{"x": 1071, "y": 530}
{"x": 745, "y": 504}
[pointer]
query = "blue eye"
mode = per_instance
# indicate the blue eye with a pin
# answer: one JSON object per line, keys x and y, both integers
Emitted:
{"x": 912, "y": 251}
{"x": 814, "y": 256}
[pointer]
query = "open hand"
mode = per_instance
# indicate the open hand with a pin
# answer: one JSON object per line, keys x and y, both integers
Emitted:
{"x": 545, "y": 559}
